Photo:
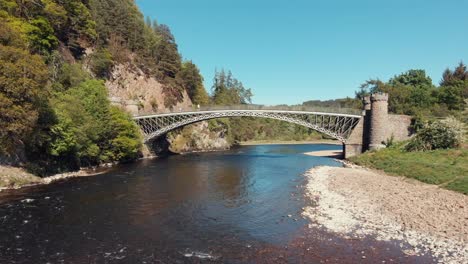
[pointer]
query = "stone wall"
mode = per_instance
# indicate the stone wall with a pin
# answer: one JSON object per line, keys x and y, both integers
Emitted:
{"x": 354, "y": 144}
{"x": 399, "y": 126}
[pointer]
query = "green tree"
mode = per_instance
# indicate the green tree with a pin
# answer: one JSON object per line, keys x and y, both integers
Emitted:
{"x": 193, "y": 83}
{"x": 56, "y": 15}
{"x": 454, "y": 88}
{"x": 23, "y": 80}
{"x": 70, "y": 75}
{"x": 101, "y": 63}
{"x": 227, "y": 90}
{"x": 414, "y": 78}
{"x": 409, "y": 92}
{"x": 167, "y": 55}
{"x": 87, "y": 131}
{"x": 41, "y": 36}
{"x": 124, "y": 138}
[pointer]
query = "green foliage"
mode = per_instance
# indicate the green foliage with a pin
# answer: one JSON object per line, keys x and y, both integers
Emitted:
{"x": 87, "y": 131}
{"x": 12, "y": 35}
{"x": 167, "y": 56}
{"x": 70, "y": 75}
{"x": 414, "y": 78}
{"x": 454, "y": 88}
{"x": 124, "y": 142}
{"x": 263, "y": 129}
{"x": 409, "y": 93}
{"x": 353, "y": 103}
{"x": 23, "y": 79}
{"x": 452, "y": 97}
{"x": 122, "y": 29}
{"x": 227, "y": 90}
{"x": 80, "y": 27}
{"x": 41, "y": 36}
{"x": 446, "y": 168}
{"x": 8, "y": 5}
{"x": 436, "y": 135}
{"x": 56, "y": 14}
{"x": 75, "y": 125}
{"x": 193, "y": 83}
{"x": 101, "y": 63}
{"x": 413, "y": 93}
{"x": 48, "y": 21}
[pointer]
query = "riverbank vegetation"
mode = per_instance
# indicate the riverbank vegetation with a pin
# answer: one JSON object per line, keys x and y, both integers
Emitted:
{"x": 437, "y": 153}
{"x": 55, "y": 57}
{"x": 447, "y": 168}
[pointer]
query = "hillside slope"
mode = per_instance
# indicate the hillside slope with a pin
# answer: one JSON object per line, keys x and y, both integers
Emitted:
{"x": 62, "y": 65}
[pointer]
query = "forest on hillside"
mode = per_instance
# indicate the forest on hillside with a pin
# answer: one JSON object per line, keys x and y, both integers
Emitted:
{"x": 54, "y": 58}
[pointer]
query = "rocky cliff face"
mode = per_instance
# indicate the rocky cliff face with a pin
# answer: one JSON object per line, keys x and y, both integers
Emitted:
{"x": 128, "y": 85}
{"x": 197, "y": 137}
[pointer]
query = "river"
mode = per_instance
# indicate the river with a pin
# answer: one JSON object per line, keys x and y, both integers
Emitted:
{"x": 238, "y": 206}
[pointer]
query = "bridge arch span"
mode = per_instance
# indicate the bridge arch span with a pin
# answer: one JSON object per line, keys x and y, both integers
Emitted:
{"x": 338, "y": 126}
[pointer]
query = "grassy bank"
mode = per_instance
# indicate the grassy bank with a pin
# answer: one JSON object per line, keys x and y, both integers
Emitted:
{"x": 446, "y": 168}
{"x": 14, "y": 177}
{"x": 11, "y": 177}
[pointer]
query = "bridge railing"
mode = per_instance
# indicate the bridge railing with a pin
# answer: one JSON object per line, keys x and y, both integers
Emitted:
{"x": 336, "y": 110}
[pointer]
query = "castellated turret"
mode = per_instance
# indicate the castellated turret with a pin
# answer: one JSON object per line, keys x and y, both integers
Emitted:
{"x": 378, "y": 120}
{"x": 367, "y": 103}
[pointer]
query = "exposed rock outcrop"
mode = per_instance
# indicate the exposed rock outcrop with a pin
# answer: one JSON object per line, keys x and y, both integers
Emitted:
{"x": 129, "y": 85}
{"x": 198, "y": 137}
{"x": 131, "y": 88}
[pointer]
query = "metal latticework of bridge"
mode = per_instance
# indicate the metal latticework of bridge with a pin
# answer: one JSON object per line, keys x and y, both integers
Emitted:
{"x": 335, "y": 125}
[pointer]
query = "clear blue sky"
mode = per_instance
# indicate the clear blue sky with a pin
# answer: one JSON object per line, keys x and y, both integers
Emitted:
{"x": 298, "y": 50}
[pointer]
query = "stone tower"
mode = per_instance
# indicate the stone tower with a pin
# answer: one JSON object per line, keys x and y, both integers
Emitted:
{"x": 367, "y": 123}
{"x": 378, "y": 120}
{"x": 367, "y": 103}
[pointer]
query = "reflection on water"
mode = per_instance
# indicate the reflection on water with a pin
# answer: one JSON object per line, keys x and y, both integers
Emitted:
{"x": 220, "y": 207}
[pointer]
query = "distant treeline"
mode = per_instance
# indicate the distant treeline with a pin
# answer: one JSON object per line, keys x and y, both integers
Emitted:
{"x": 335, "y": 103}
{"x": 413, "y": 92}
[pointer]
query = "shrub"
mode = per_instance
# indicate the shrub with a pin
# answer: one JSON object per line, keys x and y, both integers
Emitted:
{"x": 438, "y": 135}
{"x": 102, "y": 63}
{"x": 390, "y": 141}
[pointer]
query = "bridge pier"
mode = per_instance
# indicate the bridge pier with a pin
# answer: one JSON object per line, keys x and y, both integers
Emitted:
{"x": 355, "y": 143}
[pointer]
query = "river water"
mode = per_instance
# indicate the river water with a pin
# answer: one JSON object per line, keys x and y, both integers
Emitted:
{"x": 237, "y": 206}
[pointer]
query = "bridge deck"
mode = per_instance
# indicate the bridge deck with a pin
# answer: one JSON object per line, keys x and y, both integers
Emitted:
{"x": 243, "y": 110}
{"x": 336, "y": 125}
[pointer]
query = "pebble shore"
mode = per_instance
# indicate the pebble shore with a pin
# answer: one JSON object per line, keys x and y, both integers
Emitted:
{"x": 356, "y": 202}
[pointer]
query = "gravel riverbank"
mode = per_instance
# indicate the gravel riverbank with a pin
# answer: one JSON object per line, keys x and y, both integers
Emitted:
{"x": 356, "y": 202}
{"x": 16, "y": 178}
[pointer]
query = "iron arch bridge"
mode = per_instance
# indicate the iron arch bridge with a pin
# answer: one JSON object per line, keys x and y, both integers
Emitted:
{"x": 335, "y": 125}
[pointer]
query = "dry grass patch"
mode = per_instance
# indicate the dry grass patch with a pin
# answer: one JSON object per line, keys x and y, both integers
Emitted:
{"x": 16, "y": 177}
